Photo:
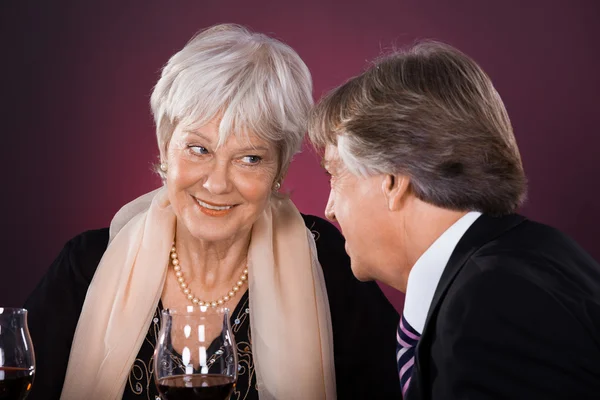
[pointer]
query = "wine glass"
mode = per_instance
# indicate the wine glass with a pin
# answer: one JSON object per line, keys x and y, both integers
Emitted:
{"x": 17, "y": 361}
{"x": 195, "y": 357}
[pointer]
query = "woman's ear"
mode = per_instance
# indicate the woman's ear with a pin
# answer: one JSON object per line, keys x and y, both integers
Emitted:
{"x": 395, "y": 188}
{"x": 282, "y": 174}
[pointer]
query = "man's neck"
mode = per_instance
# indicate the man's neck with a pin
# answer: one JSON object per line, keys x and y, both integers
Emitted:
{"x": 418, "y": 228}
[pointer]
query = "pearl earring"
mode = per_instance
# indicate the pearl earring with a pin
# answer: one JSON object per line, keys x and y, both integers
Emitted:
{"x": 163, "y": 167}
{"x": 277, "y": 186}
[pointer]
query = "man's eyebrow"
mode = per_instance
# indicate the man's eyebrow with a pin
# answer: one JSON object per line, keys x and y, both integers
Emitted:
{"x": 331, "y": 163}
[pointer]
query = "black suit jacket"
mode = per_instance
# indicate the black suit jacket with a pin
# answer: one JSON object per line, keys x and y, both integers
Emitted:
{"x": 516, "y": 315}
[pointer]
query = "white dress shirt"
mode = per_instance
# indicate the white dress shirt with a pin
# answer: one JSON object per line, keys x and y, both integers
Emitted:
{"x": 425, "y": 274}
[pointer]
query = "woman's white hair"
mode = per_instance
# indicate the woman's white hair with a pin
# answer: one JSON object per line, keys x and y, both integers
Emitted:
{"x": 249, "y": 81}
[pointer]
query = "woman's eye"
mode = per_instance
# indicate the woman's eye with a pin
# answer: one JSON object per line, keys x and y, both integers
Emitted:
{"x": 198, "y": 150}
{"x": 251, "y": 159}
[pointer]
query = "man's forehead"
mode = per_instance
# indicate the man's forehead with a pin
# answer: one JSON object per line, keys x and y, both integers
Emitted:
{"x": 331, "y": 158}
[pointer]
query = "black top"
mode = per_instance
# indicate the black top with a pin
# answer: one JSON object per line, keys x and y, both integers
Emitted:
{"x": 363, "y": 321}
{"x": 516, "y": 315}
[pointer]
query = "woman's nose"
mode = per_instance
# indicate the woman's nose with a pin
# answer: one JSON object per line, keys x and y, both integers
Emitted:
{"x": 217, "y": 180}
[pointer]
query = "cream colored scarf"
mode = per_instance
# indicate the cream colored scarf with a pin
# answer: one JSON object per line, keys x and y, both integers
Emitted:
{"x": 289, "y": 312}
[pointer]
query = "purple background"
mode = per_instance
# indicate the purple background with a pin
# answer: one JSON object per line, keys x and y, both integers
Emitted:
{"x": 78, "y": 140}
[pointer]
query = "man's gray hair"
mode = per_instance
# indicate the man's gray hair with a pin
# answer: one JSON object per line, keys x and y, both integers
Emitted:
{"x": 432, "y": 114}
{"x": 249, "y": 81}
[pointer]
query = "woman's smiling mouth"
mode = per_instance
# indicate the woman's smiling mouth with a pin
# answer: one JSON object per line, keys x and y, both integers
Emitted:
{"x": 214, "y": 210}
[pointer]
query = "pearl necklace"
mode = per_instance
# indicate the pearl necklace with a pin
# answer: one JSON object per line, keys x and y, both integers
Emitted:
{"x": 188, "y": 293}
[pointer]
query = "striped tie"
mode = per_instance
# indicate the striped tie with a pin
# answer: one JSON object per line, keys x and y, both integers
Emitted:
{"x": 407, "y": 339}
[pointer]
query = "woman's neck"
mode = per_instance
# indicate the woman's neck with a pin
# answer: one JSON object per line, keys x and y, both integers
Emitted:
{"x": 213, "y": 264}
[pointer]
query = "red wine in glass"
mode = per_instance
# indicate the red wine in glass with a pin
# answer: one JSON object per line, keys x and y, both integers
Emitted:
{"x": 15, "y": 383}
{"x": 196, "y": 387}
{"x": 17, "y": 360}
{"x": 195, "y": 357}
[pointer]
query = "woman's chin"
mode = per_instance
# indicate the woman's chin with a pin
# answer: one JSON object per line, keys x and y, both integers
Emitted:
{"x": 360, "y": 273}
{"x": 212, "y": 230}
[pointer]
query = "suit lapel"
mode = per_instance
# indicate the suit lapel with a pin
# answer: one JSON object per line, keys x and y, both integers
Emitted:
{"x": 484, "y": 230}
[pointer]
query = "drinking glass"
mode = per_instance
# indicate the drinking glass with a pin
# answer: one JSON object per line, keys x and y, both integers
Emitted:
{"x": 195, "y": 357}
{"x": 17, "y": 360}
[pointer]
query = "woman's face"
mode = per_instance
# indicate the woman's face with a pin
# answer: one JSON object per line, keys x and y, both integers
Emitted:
{"x": 218, "y": 194}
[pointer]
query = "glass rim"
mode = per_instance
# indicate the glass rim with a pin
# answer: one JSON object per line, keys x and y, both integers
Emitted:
{"x": 12, "y": 310}
{"x": 195, "y": 310}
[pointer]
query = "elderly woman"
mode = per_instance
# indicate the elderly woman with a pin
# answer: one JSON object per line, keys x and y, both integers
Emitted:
{"x": 230, "y": 111}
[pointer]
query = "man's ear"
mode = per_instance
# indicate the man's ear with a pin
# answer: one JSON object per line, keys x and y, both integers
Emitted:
{"x": 395, "y": 188}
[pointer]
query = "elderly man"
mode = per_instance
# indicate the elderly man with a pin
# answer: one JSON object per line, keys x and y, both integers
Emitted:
{"x": 426, "y": 177}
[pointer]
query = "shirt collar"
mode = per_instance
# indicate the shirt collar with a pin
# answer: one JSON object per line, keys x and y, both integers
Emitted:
{"x": 425, "y": 274}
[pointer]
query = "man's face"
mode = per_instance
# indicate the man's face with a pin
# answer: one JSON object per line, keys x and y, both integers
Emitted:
{"x": 359, "y": 206}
